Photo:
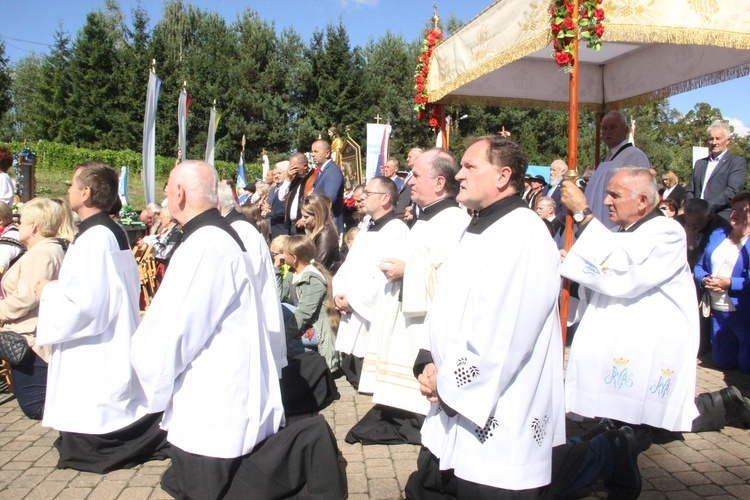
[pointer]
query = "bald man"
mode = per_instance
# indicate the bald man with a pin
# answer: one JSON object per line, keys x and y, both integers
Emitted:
{"x": 204, "y": 356}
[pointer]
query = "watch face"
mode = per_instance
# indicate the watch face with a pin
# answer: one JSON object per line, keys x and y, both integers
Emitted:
{"x": 578, "y": 216}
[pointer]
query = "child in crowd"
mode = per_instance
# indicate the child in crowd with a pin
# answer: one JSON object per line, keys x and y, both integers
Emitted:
{"x": 309, "y": 290}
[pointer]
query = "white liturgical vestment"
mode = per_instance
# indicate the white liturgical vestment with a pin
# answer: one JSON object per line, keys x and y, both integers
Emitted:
{"x": 398, "y": 331}
{"x": 202, "y": 351}
{"x": 495, "y": 339}
{"x": 362, "y": 282}
{"x": 87, "y": 318}
{"x": 633, "y": 355}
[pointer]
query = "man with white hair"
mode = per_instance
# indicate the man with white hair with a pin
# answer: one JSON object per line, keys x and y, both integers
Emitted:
{"x": 557, "y": 170}
{"x": 633, "y": 356}
{"x": 275, "y": 207}
{"x": 204, "y": 355}
{"x": 622, "y": 153}
{"x": 719, "y": 176}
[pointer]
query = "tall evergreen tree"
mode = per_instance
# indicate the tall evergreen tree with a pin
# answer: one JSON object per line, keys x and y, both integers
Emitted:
{"x": 23, "y": 120}
{"x": 5, "y": 82}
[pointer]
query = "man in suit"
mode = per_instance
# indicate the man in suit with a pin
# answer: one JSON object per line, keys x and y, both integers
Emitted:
{"x": 390, "y": 170}
{"x": 329, "y": 181}
{"x": 297, "y": 174}
{"x": 721, "y": 175}
{"x": 545, "y": 208}
{"x": 273, "y": 208}
{"x": 537, "y": 183}
{"x": 557, "y": 171}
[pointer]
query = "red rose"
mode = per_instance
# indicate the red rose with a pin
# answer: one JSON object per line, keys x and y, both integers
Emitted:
{"x": 569, "y": 24}
{"x": 599, "y": 1}
{"x": 420, "y": 79}
{"x": 563, "y": 58}
{"x": 349, "y": 202}
{"x": 423, "y": 58}
{"x": 599, "y": 30}
{"x": 433, "y": 122}
{"x": 569, "y": 8}
{"x": 556, "y": 44}
{"x": 434, "y": 113}
{"x": 418, "y": 99}
{"x": 552, "y": 10}
{"x": 556, "y": 28}
{"x": 599, "y": 14}
{"x": 420, "y": 88}
{"x": 421, "y": 115}
{"x": 425, "y": 69}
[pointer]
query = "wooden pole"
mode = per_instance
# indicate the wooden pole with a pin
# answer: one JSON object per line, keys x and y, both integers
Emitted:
{"x": 443, "y": 126}
{"x": 572, "y": 171}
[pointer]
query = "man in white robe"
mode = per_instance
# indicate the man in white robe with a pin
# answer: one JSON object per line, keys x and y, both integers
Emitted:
{"x": 633, "y": 355}
{"x": 87, "y": 318}
{"x": 359, "y": 283}
{"x": 494, "y": 379}
{"x": 399, "y": 323}
{"x": 204, "y": 356}
{"x": 260, "y": 256}
{"x": 615, "y": 132}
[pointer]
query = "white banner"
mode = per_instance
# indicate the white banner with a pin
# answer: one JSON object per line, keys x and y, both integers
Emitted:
{"x": 182, "y": 108}
{"x": 378, "y": 137}
{"x": 211, "y": 137}
{"x": 149, "y": 138}
{"x": 699, "y": 152}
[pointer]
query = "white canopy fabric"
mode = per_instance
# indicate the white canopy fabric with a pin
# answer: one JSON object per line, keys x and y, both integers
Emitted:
{"x": 651, "y": 49}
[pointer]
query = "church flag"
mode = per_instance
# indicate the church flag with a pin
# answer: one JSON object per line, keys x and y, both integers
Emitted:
{"x": 378, "y": 139}
{"x": 241, "y": 180}
{"x": 213, "y": 124}
{"x": 149, "y": 138}
{"x": 182, "y": 111}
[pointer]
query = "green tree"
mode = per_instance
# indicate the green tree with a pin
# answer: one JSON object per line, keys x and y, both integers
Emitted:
{"x": 5, "y": 82}
{"x": 22, "y": 120}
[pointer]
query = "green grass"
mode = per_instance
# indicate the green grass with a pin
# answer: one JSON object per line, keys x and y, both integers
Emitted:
{"x": 55, "y": 184}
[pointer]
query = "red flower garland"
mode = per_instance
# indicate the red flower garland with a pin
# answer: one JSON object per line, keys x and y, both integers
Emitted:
{"x": 420, "y": 79}
{"x": 562, "y": 29}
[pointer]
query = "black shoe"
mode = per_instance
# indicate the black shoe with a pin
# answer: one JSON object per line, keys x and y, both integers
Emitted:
{"x": 735, "y": 403}
{"x": 604, "y": 425}
{"x": 625, "y": 482}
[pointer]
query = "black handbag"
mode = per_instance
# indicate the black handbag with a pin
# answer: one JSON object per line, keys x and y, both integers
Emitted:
{"x": 13, "y": 348}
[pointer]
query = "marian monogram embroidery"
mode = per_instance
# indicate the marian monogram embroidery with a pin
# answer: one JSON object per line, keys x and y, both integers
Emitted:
{"x": 465, "y": 374}
{"x": 661, "y": 386}
{"x": 483, "y": 434}
{"x": 619, "y": 375}
{"x": 539, "y": 426}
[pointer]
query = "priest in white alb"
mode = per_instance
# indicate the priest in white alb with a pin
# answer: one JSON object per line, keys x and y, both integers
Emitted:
{"x": 87, "y": 318}
{"x": 494, "y": 376}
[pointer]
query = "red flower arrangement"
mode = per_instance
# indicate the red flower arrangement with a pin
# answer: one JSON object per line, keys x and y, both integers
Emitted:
{"x": 421, "y": 99}
{"x": 563, "y": 28}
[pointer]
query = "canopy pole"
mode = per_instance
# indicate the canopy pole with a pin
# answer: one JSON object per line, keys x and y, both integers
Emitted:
{"x": 572, "y": 173}
{"x": 445, "y": 137}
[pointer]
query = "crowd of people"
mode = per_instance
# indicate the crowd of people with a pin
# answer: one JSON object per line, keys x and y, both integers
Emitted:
{"x": 439, "y": 297}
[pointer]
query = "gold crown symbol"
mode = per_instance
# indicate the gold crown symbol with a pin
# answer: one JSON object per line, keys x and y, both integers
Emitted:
{"x": 621, "y": 361}
{"x": 667, "y": 372}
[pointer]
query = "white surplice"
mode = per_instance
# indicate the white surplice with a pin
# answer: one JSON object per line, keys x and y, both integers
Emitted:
{"x": 363, "y": 283}
{"x": 260, "y": 256}
{"x": 87, "y": 318}
{"x": 398, "y": 326}
{"x": 203, "y": 353}
{"x": 633, "y": 355}
{"x": 495, "y": 339}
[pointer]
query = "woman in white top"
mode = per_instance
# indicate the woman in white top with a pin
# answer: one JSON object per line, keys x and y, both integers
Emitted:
{"x": 724, "y": 271}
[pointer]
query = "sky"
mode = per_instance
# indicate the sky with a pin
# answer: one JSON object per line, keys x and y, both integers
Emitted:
{"x": 29, "y": 26}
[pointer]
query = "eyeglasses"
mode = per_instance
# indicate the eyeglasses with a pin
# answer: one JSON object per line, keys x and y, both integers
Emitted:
{"x": 368, "y": 193}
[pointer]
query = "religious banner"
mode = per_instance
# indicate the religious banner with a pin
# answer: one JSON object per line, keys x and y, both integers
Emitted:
{"x": 213, "y": 123}
{"x": 122, "y": 188}
{"x": 378, "y": 139}
{"x": 182, "y": 111}
{"x": 241, "y": 180}
{"x": 149, "y": 138}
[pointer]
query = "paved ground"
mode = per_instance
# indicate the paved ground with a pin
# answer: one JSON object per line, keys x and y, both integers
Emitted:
{"x": 707, "y": 465}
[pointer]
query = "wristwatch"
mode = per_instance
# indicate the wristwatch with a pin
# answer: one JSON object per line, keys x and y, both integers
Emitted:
{"x": 579, "y": 216}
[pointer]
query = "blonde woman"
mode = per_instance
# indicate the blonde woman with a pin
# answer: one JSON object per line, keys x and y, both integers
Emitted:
{"x": 40, "y": 222}
{"x": 68, "y": 229}
{"x": 316, "y": 216}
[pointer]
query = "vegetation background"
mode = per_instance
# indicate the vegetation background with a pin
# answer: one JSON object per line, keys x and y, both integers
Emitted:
{"x": 85, "y": 99}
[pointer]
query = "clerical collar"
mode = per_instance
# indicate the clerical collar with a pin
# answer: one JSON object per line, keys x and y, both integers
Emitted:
{"x": 103, "y": 219}
{"x": 651, "y": 215}
{"x": 488, "y": 216}
{"x": 235, "y": 216}
{"x": 432, "y": 210}
{"x": 377, "y": 225}
{"x": 211, "y": 217}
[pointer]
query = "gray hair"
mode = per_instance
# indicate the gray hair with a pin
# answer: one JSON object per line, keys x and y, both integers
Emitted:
{"x": 696, "y": 206}
{"x": 621, "y": 117}
{"x": 444, "y": 165}
{"x": 547, "y": 200}
{"x": 226, "y": 197}
{"x": 720, "y": 125}
{"x": 644, "y": 183}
